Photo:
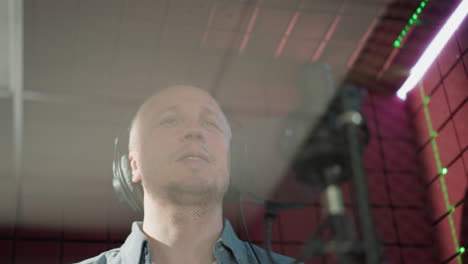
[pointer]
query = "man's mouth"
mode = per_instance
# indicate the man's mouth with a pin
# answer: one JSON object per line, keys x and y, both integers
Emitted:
{"x": 194, "y": 157}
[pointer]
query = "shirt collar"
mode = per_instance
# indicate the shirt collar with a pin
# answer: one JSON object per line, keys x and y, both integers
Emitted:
{"x": 230, "y": 240}
{"x": 137, "y": 244}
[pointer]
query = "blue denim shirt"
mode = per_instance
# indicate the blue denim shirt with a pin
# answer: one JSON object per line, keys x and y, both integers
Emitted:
{"x": 228, "y": 249}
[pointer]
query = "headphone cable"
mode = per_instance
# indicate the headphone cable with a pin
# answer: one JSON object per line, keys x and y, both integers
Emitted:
{"x": 245, "y": 228}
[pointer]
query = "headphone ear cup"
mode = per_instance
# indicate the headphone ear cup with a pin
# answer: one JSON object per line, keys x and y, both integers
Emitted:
{"x": 127, "y": 191}
{"x": 135, "y": 189}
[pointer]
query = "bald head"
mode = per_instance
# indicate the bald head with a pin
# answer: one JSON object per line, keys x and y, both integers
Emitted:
{"x": 178, "y": 94}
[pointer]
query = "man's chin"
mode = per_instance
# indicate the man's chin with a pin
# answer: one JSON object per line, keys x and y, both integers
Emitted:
{"x": 191, "y": 194}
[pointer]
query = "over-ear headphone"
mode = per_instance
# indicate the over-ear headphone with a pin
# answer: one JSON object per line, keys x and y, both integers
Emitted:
{"x": 127, "y": 191}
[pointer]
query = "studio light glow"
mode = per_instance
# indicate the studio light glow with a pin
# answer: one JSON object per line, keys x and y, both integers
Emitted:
{"x": 461, "y": 250}
{"x": 411, "y": 21}
{"x": 434, "y": 48}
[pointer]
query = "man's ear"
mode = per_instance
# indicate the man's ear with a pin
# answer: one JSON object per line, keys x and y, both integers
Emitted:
{"x": 136, "y": 173}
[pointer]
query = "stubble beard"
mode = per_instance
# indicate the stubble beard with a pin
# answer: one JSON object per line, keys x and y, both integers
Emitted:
{"x": 186, "y": 195}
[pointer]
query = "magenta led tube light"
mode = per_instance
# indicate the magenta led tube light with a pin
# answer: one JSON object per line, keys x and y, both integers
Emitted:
{"x": 433, "y": 50}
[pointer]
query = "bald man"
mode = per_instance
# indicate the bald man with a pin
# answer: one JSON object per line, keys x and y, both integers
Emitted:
{"x": 179, "y": 150}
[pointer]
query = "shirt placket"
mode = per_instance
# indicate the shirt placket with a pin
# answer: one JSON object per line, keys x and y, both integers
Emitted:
{"x": 145, "y": 255}
{"x": 223, "y": 256}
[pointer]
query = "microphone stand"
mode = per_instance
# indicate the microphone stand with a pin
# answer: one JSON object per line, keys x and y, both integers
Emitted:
{"x": 352, "y": 126}
{"x": 330, "y": 155}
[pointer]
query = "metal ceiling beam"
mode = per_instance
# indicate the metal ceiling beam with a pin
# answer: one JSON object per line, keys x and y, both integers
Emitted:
{"x": 209, "y": 23}
{"x": 228, "y": 56}
{"x": 250, "y": 27}
{"x": 53, "y": 97}
{"x": 363, "y": 41}
{"x": 331, "y": 30}
{"x": 15, "y": 47}
{"x": 289, "y": 29}
{"x": 393, "y": 54}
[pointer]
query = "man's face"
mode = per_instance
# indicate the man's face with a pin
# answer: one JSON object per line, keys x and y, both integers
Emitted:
{"x": 183, "y": 147}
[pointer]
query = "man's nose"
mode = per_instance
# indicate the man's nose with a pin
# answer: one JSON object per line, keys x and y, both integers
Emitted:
{"x": 194, "y": 133}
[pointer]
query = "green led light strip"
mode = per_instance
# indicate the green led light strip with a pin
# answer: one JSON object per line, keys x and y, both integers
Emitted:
{"x": 442, "y": 172}
{"x": 411, "y": 21}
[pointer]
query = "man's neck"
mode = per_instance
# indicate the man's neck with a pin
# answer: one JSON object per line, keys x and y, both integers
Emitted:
{"x": 182, "y": 235}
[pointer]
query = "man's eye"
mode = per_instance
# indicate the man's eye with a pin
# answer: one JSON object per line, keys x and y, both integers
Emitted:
{"x": 212, "y": 123}
{"x": 169, "y": 122}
